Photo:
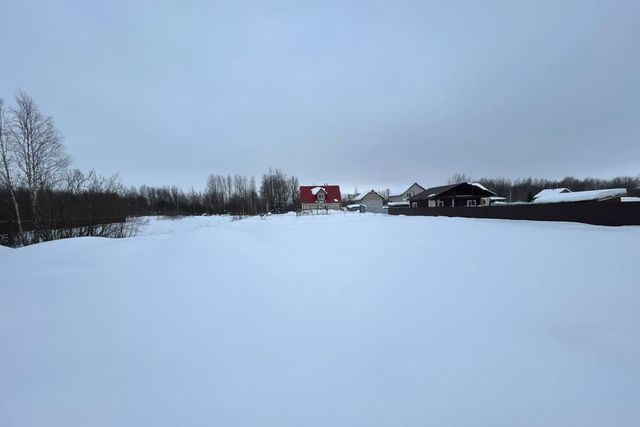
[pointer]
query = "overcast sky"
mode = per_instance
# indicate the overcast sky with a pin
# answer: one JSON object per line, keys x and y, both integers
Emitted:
{"x": 370, "y": 93}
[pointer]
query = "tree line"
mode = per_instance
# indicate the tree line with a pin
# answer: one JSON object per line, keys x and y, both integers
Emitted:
{"x": 42, "y": 198}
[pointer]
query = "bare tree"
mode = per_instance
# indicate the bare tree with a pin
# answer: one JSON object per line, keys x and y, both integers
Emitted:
{"x": 6, "y": 172}
{"x": 458, "y": 177}
{"x": 40, "y": 156}
{"x": 294, "y": 192}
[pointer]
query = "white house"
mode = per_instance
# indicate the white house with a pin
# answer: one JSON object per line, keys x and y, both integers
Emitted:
{"x": 405, "y": 192}
{"x": 320, "y": 197}
{"x": 372, "y": 200}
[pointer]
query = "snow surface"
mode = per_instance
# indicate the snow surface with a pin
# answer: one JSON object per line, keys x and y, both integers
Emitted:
{"x": 581, "y": 196}
{"x": 316, "y": 190}
{"x": 175, "y": 225}
{"x": 487, "y": 323}
{"x": 630, "y": 199}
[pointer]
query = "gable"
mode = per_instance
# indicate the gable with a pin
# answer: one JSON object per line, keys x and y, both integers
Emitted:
{"x": 414, "y": 189}
{"x": 369, "y": 195}
{"x": 308, "y": 193}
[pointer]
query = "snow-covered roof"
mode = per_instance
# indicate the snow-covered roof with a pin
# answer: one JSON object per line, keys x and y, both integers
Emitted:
{"x": 433, "y": 192}
{"x": 480, "y": 186}
{"x": 361, "y": 195}
{"x": 316, "y": 190}
{"x": 355, "y": 205}
{"x": 392, "y": 204}
{"x": 551, "y": 191}
{"x": 582, "y": 196}
{"x": 630, "y": 199}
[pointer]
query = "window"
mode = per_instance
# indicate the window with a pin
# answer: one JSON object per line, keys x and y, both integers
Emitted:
{"x": 471, "y": 203}
{"x": 414, "y": 204}
{"x": 432, "y": 203}
{"x": 440, "y": 203}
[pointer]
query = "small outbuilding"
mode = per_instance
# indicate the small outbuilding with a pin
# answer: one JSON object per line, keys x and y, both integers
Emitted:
{"x": 373, "y": 201}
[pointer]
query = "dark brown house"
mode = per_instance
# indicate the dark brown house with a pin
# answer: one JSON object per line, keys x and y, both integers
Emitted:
{"x": 463, "y": 194}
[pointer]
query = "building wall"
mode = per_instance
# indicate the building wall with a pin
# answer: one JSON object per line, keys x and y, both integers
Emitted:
{"x": 373, "y": 203}
{"x": 458, "y": 202}
{"x": 415, "y": 189}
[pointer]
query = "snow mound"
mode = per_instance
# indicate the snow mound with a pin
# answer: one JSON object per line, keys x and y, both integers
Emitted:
{"x": 159, "y": 225}
{"x": 323, "y": 320}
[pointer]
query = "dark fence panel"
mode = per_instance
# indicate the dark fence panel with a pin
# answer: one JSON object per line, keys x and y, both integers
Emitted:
{"x": 597, "y": 213}
{"x": 11, "y": 227}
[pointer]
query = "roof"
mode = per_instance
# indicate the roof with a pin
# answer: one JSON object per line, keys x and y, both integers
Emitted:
{"x": 583, "y": 196}
{"x": 362, "y": 195}
{"x": 551, "y": 191}
{"x": 433, "y": 191}
{"x": 630, "y": 199}
{"x": 480, "y": 186}
{"x": 402, "y": 189}
{"x": 392, "y": 204}
{"x": 316, "y": 190}
{"x": 308, "y": 193}
{"x": 436, "y": 191}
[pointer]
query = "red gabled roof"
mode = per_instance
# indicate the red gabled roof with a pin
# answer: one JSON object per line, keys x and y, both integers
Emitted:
{"x": 333, "y": 193}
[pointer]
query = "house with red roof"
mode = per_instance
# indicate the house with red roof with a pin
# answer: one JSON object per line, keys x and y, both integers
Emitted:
{"x": 320, "y": 197}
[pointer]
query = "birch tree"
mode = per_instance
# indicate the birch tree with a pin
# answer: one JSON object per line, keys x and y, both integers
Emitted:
{"x": 6, "y": 167}
{"x": 40, "y": 156}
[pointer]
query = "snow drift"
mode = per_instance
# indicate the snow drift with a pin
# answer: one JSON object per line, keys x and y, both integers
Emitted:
{"x": 336, "y": 320}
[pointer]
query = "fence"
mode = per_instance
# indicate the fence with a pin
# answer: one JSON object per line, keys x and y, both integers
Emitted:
{"x": 597, "y": 213}
{"x": 11, "y": 227}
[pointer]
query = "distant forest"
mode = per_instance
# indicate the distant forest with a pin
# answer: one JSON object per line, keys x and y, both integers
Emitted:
{"x": 42, "y": 198}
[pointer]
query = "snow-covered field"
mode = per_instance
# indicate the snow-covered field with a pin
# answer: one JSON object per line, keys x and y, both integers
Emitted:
{"x": 340, "y": 320}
